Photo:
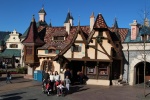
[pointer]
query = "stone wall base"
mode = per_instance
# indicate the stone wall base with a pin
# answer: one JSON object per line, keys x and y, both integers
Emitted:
{"x": 98, "y": 82}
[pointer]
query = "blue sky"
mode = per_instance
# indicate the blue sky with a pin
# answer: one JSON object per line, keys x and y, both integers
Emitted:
{"x": 17, "y": 14}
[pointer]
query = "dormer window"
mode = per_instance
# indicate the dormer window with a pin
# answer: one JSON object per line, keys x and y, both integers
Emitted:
{"x": 58, "y": 38}
{"x": 52, "y": 50}
{"x": 144, "y": 37}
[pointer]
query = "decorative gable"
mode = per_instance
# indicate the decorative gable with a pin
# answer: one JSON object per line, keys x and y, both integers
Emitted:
{"x": 100, "y": 22}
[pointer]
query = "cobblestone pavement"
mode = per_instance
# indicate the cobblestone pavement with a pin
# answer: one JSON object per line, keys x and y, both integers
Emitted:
{"x": 26, "y": 89}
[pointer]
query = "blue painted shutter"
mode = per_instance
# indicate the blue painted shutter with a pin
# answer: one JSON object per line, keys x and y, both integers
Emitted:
{"x": 46, "y": 51}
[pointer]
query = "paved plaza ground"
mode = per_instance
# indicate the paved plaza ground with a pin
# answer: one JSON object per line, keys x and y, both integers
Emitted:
{"x": 26, "y": 89}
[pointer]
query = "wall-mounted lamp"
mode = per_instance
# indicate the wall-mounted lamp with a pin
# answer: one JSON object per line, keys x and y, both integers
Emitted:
{"x": 100, "y": 38}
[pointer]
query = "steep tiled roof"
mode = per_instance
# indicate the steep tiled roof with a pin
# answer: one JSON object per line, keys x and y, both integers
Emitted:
{"x": 100, "y": 22}
{"x": 86, "y": 29}
{"x": 52, "y": 31}
{"x": 3, "y": 34}
{"x": 10, "y": 53}
{"x": 32, "y": 35}
{"x": 121, "y": 31}
{"x": 143, "y": 30}
{"x": 40, "y": 25}
{"x": 60, "y": 33}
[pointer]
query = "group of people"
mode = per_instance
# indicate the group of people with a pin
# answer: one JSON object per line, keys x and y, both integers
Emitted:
{"x": 54, "y": 82}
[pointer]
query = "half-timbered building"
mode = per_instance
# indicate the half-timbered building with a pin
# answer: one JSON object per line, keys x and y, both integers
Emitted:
{"x": 95, "y": 50}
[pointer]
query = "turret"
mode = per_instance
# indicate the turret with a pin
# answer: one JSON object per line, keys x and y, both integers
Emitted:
{"x": 68, "y": 22}
{"x": 42, "y": 15}
{"x": 69, "y": 19}
{"x": 146, "y": 22}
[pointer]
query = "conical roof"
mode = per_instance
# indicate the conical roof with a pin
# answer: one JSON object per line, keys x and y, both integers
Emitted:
{"x": 32, "y": 35}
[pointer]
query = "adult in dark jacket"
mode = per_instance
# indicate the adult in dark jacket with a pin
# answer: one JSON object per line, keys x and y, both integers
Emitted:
{"x": 8, "y": 77}
{"x": 45, "y": 77}
{"x": 67, "y": 73}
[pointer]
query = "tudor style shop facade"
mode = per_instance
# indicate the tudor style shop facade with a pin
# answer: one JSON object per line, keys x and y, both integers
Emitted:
{"x": 95, "y": 50}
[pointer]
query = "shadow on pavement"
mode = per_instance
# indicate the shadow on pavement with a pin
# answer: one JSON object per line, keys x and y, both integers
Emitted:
{"x": 147, "y": 95}
{"x": 76, "y": 88}
{"x": 12, "y": 96}
{"x": 4, "y": 78}
{"x": 24, "y": 81}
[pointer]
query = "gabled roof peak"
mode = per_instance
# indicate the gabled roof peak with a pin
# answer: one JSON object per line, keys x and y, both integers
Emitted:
{"x": 100, "y": 22}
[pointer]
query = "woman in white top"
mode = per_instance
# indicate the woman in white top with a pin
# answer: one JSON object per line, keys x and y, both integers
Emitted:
{"x": 57, "y": 76}
{"x": 52, "y": 79}
{"x": 57, "y": 79}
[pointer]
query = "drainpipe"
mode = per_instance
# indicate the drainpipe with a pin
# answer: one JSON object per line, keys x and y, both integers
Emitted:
{"x": 128, "y": 64}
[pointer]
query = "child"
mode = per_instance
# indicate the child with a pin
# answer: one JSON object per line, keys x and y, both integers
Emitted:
{"x": 60, "y": 89}
{"x": 67, "y": 82}
{"x": 49, "y": 88}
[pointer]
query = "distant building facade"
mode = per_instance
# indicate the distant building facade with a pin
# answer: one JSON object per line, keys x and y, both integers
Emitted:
{"x": 136, "y": 48}
{"x": 11, "y": 50}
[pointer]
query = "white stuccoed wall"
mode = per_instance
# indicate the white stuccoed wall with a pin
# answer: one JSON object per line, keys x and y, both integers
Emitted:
{"x": 136, "y": 54}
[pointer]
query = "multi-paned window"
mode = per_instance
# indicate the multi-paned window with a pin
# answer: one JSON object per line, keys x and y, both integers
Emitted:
{"x": 103, "y": 69}
{"x": 13, "y": 46}
{"x": 58, "y": 37}
{"x": 91, "y": 70}
{"x": 76, "y": 48}
{"x": 51, "y": 51}
{"x": 29, "y": 50}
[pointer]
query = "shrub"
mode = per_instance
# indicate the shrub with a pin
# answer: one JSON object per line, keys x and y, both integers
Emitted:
{"x": 2, "y": 72}
{"x": 22, "y": 70}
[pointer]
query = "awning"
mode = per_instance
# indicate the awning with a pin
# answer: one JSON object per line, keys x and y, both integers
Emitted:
{"x": 9, "y": 53}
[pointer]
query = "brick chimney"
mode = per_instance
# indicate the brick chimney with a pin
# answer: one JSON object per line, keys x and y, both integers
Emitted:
{"x": 68, "y": 26}
{"x": 134, "y": 29}
{"x": 91, "y": 21}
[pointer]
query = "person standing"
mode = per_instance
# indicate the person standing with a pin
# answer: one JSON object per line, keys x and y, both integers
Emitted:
{"x": 45, "y": 77}
{"x": 67, "y": 73}
{"x": 52, "y": 79}
{"x": 8, "y": 78}
{"x": 67, "y": 82}
{"x": 45, "y": 80}
{"x": 57, "y": 77}
{"x": 57, "y": 80}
